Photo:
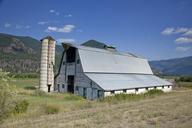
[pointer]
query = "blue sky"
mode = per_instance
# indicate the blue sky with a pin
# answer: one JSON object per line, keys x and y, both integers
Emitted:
{"x": 155, "y": 29}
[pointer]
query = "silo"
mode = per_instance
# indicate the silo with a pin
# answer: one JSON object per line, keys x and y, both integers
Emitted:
{"x": 51, "y": 63}
{"x": 47, "y": 62}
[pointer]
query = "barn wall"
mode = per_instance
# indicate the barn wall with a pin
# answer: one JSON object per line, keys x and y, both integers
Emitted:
{"x": 137, "y": 91}
{"x": 61, "y": 78}
{"x": 141, "y": 90}
{"x": 82, "y": 84}
{"x": 167, "y": 88}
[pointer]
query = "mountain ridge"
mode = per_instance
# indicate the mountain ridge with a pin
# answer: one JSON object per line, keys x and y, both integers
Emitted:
{"x": 21, "y": 54}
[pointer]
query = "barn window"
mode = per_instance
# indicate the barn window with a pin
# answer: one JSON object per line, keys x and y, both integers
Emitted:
{"x": 99, "y": 93}
{"x": 71, "y": 52}
{"x": 58, "y": 87}
{"x": 84, "y": 92}
{"x": 78, "y": 61}
{"x": 77, "y": 88}
{"x": 63, "y": 85}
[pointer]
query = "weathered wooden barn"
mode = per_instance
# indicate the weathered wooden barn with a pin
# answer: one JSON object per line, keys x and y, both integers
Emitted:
{"x": 95, "y": 70}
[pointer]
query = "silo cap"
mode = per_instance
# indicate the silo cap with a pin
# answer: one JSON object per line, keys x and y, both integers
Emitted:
{"x": 48, "y": 37}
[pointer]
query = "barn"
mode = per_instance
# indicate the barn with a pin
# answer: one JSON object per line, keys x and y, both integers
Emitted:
{"x": 94, "y": 70}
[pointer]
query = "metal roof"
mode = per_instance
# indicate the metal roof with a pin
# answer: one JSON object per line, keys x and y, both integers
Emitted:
{"x": 126, "y": 81}
{"x": 113, "y": 70}
{"x": 99, "y": 60}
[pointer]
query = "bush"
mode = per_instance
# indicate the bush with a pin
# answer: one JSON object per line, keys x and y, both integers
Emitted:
{"x": 154, "y": 92}
{"x": 184, "y": 79}
{"x": 6, "y": 96}
{"x": 51, "y": 109}
{"x": 21, "y": 107}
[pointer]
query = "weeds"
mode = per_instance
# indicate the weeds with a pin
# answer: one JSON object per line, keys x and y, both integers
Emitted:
{"x": 131, "y": 97}
{"x": 20, "y": 107}
{"x": 51, "y": 109}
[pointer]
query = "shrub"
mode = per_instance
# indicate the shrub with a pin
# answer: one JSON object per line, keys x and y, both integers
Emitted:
{"x": 21, "y": 107}
{"x": 184, "y": 79}
{"x": 154, "y": 92}
{"x": 6, "y": 96}
{"x": 51, "y": 109}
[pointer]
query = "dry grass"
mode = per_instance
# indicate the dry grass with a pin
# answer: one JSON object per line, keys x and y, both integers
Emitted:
{"x": 171, "y": 110}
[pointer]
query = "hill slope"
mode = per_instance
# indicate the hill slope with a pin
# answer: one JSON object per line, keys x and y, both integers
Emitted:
{"x": 21, "y": 53}
{"x": 178, "y": 66}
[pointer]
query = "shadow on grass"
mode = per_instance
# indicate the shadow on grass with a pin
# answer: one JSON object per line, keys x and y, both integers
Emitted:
{"x": 30, "y": 88}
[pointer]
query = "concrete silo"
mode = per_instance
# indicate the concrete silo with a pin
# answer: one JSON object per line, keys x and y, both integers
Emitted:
{"x": 47, "y": 63}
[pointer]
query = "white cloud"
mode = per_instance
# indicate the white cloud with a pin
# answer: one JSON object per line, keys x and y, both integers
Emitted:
{"x": 61, "y": 40}
{"x": 168, "y": 31}
{"x": 181, "y": 30}
{"x": 52, "y": 28}
{"x": 183, "y": 40}
{"x": 188, "y": 33}
{"x": 65, "y": 29}
{"x": 7, "y": 25}
{"x": 54, "y": 12}
{"x": 171, "y": 30}
{"x": 69, "y": 15}
{"x": 51, "y": 11}
{"x": 43, "y": 22}
{"x": 183, "y": 49}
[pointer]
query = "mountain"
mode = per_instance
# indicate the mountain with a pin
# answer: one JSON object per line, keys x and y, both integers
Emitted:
{"x": 22, "y": 53}
{"x": 94, "y": 44}
{"x": 177, "y": 66}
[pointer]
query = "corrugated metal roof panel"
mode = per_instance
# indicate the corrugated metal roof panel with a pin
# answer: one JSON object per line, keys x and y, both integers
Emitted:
{"x": 126, "y": 81}
{"x": 100, "y": 60}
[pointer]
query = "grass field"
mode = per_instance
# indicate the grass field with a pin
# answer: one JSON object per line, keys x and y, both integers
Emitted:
{"x": 170, "y": 110}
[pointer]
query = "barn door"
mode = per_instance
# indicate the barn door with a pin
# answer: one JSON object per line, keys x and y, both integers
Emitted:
{"x": 70, "y": 83}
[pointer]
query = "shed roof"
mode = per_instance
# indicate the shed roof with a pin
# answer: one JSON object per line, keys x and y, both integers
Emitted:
{"x": 126, "y": 81}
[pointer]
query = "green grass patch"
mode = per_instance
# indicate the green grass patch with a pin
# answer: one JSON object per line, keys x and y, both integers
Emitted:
{"x": 131, "y": 97}
{"x": 184, "y": 84}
